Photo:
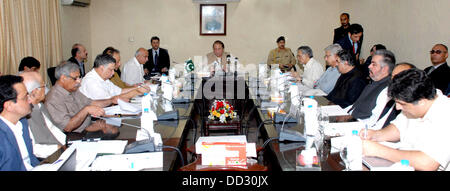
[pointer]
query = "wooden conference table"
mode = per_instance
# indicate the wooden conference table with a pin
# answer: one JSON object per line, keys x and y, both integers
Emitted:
{"x": 277, "y": 156}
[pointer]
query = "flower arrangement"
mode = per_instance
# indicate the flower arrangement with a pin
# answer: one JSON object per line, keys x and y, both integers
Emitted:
{"x": 221, "y": 110}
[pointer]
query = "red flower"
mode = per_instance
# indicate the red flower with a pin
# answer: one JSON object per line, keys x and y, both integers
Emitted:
{"x": 222, "y": 111}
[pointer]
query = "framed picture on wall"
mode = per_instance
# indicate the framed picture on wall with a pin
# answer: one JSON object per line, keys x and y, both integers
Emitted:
{"x": 213, "y": 19}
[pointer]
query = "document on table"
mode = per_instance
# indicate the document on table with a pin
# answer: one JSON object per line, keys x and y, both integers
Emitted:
{"x": 342, "y": 129}
{"x": 123, "y": 108}
{"x": 333, "y": 110}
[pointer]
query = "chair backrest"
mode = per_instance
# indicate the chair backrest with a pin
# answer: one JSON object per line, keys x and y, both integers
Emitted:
{"x": 51, "y": 75}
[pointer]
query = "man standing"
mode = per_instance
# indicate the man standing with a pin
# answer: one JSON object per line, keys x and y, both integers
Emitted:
{"x": 133, "y": 71}
{"x": 97, "y": 86}
{"x": 421, "y": 129}
{"x": 158, "y": 59}
{"x": 282, "y": 56}
{"x": 352, "y": 41}
{"x": 349, "y": 85}
{"x": 16, "y": 149}
{"x": 440, "y": 71}
{"x": 79, "y": 56}
{"x": 342, "y": 31}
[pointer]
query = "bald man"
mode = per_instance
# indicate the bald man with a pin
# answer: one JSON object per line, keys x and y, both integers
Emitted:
{"x": 133, "y": 70}
{"x": 46, "y": 137}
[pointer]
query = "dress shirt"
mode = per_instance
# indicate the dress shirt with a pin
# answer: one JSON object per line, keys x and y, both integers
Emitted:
{"x": 153, "y": 56}
{"x": 118, "y": 82}
{"x": 312, "y": 72}
{"x": 17, "y": 130}
{"x": 328, "y": 80}
{"x": 95, "y": 88}
{"x": 281, "y": 57}
{"x": 133, "y": 72}
{"x": 355, "y": 44}
{"x": 430, "y": 133}
{"x": 63, "y": 105}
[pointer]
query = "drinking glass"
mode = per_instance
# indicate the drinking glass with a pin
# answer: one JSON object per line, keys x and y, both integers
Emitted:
{"x": 343, "y": 153}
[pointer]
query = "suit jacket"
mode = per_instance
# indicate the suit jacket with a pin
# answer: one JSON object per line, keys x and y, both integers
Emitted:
{"x": 348, "y": 88}
{"x": 339, "y": 33}
{"x": 41, "y": 132}
{"x": 10, "y": 157}
{"x": 82, "y": 68}
{"x": 346, "y": 44}
{"x": 440, "y": 76}
{"x": 163, "y": 60}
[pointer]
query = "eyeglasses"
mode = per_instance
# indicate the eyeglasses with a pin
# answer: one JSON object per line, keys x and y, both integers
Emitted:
{"x": 437, "y": 51}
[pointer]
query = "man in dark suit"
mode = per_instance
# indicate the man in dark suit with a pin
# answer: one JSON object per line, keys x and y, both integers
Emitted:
{"x": 352, "y": 42}
{"x": 16, "y": 149}
{"x": 158, "y": 59}
{"x": 79, "y": 56}
{"x": 439, "y": 72}
{"x": 343, "y": 30}
{"x": 350, "y": 84}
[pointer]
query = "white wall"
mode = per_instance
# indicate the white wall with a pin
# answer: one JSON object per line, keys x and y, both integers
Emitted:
{"x": 252, "y": 27}
{"x": 408, "y": 27}
{"x": 75, "y": 28}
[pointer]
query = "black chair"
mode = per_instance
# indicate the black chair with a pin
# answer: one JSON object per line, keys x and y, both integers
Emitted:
{"x": 51, "y": 75}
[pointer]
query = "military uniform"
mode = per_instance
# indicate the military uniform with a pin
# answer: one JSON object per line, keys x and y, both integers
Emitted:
{"x": 281, "y": 57}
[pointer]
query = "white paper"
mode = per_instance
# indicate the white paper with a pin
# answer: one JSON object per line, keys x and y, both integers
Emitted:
{"x": 342, "y": 129}
{"x": 314, "y": 92}
{"x": 333, "y": 110}
{"x": 128, "y": 107}
{"x": 128, "y": 162}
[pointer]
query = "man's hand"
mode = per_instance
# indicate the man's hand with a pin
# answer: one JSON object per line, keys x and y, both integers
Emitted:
{"x": 95, "y": 110}
{"x": 143, "y": 89}
{"x": 164, "y": 70}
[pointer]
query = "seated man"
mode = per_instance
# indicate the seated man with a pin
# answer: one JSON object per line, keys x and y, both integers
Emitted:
{"x": 370, "y": 104}
{"x": 46, "y": 137}
{"x": 366, "y": 63}
{"x": 217, "y": 60}
{"x": 16, "y": 149}
{"x": 421, "y": 127}
{"x": 328, "y": 79}
{"x": 133, "y": 71}
{"x": 97, "y": 86}
{"x": 390, "y": 111}
{"x": 115, "y": 79}
{"x": 282, "y": 56}
{"x": 29, "y": 64}
{"x": 70, "y": 109}
{"x": 312, "y": 68}
{"x": 350, "y": 84}
{"x": 158, "y": 59}
{"x": 440, "y": 71}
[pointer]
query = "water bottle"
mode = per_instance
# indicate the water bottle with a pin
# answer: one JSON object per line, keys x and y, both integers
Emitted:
{"x": 403, "y": 165}
{"x": 310, "y": 116}
{"x": 354, "y": 149}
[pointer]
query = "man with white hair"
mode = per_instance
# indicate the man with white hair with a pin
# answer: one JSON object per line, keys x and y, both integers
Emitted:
{"x": 133, "y": 70}
{"x": 46, "y": 137}
{"x": 328, "y": 79}
{"x": 312, "y": 70}
{"x": 97, "y": 86}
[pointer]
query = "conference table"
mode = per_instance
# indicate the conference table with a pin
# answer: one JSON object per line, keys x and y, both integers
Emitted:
{"x": 183, "y": 133}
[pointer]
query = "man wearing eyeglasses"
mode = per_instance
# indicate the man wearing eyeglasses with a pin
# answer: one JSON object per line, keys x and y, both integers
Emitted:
{"x": 439, "y": 72}
{"x": 16, "y": 151}
{"x": 72, "y": 110}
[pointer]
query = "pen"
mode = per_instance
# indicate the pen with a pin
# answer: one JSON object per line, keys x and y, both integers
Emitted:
{"x": 365, "y": 132}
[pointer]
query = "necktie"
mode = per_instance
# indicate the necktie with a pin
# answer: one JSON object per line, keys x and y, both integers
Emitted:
{"x": 156, "y": 60}
{"x": 431, "y": 70}
{"x": 354, "y": 48}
